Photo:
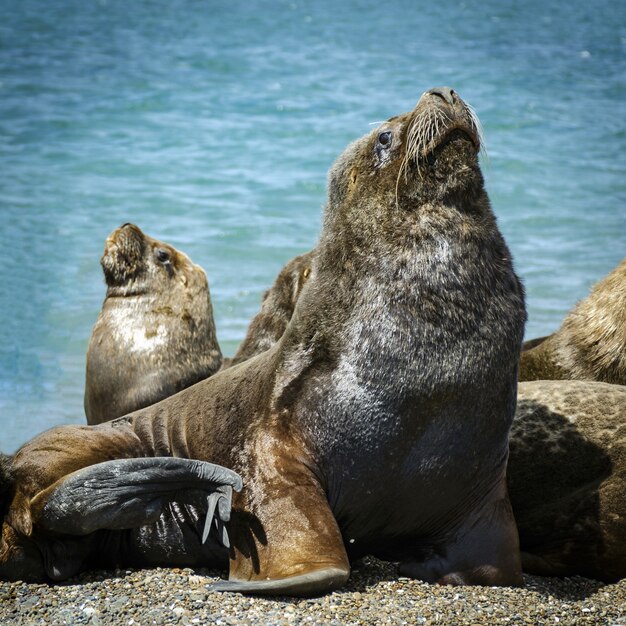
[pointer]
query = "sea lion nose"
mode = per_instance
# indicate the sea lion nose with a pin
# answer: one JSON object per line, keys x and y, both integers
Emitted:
{"x": 446, "y": 93}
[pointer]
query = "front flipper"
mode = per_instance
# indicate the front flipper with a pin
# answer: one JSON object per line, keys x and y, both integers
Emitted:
{"x": 285, "y": 539}
{"x": 128, "y": 493}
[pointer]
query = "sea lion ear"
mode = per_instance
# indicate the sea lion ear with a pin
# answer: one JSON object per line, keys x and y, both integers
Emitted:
{"x": 128, "y": 493}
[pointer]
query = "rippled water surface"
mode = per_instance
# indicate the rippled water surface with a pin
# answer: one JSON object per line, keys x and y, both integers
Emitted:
{"x": 212, "y": 126}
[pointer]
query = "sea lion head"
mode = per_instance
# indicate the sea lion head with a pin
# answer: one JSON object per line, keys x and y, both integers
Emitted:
{"x": 277, "y": 306}
{"x": 134, "y": 263}
{"x": 420, "y": 159}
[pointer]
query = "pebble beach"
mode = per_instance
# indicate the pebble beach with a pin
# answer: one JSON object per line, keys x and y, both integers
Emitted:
{"x": 374, "y": 595}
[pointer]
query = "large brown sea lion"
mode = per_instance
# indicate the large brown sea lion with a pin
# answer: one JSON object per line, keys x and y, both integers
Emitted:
{"x": 591, "y": 342}
{"x": 155, "y": 334}
{"x": 377, "y": 424}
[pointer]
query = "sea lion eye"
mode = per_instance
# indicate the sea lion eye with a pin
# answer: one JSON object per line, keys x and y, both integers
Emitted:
{"x": 163, "y": 256}
{"x": 384, "y": 139}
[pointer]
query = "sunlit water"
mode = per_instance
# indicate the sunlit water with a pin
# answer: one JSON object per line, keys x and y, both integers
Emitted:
{"x": 212, "y": 126}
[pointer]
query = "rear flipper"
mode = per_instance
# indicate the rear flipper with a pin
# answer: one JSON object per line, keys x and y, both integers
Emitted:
{"x": 484, "y": 551}
{"x": 128, "y": 493}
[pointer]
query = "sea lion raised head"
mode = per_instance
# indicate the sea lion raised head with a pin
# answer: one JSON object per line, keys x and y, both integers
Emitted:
{"x": 155, "y": 334}
{"x": 378, "y": 423}
{"x": 591, "y": 342}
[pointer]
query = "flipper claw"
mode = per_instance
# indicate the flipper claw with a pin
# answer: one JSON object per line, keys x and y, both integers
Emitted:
{"x": 221, "y": 501}
{"x": 211, "y": 504}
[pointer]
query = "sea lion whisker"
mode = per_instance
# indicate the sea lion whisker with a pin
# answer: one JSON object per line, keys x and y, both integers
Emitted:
{"x": 414, "y": 144}
{"x": 476, "y": 127}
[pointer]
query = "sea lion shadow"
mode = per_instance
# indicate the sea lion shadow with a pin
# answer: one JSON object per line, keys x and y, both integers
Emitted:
{"x": 367, "y": 572}
{"x": 555, "y": 474}
{"x": 247, "y": 531}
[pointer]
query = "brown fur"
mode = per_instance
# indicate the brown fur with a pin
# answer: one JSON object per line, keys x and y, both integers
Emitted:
{"x": 155, "y": 334}
{"x": 567, "y": 476}
{"x": 591, "y": 343}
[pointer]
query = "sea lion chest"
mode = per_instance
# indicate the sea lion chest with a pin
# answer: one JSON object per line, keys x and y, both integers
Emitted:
{"x": 411, "y": 423}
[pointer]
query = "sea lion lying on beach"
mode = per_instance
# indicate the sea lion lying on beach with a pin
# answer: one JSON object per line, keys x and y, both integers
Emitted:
{"x": 566, "y": 479}
{"x": 591, "y": 342}
{"x": 155, "y": 334}
{"x": 377, "y": 424}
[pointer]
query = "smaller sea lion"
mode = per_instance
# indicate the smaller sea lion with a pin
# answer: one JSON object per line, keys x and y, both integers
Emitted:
{"x": 591, "y": 342}
{"x": 155, "y": 334}
{"x": 277, "y": 306}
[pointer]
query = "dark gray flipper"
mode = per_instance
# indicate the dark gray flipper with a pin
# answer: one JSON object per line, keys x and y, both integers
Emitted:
{"x": 128, "y": 493}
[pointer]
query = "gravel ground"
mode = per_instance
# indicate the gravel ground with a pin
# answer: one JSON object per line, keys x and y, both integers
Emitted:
{"x": 374, "y": 595}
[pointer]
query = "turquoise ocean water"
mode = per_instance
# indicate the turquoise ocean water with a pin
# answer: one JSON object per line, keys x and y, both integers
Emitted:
{"x": 212, "y": 126}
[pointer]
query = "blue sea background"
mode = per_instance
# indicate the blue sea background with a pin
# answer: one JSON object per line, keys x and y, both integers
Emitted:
{"x": 212, "y": 125}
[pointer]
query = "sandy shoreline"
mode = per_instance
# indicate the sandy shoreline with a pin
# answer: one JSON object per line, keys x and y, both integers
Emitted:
{"x": 374, "y": 595}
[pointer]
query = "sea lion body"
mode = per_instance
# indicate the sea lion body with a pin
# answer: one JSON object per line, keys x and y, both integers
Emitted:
{"x": 566, "y": 470}
{"x": 379, "y": 421}
{"x": 591, "y": 342}
{"x": 155, "y": 334}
